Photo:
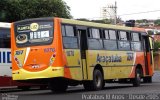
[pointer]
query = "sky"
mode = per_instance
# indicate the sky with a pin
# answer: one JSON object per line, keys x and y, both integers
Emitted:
{"x": 91, "y": 8}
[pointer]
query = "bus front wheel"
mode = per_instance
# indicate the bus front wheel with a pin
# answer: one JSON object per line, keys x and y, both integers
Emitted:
{"x": 137, "y": 79}
{"x": 97, "y": 83}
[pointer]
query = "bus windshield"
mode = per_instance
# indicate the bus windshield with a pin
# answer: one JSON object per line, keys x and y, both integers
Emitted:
{"x": 4, "y": 38}
{"x": 33, "y": 33}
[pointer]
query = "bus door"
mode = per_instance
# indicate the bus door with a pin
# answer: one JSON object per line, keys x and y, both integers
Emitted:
{"x": 147, "y": 54}
{"x": 82, "y": 34}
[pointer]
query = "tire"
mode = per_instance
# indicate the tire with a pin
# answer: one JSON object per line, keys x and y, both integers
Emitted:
{"x": 147, "y": 79}
{"x": 137, "y": 79}
{"x": 58, "y": 86}
{"x": 97, "y": 83}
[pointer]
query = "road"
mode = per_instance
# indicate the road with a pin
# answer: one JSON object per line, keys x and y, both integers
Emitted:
{"x": 111, "y": 91}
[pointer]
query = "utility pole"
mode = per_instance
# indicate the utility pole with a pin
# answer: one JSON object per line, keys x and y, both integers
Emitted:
{"x": 114, "y": 9}
{"x": 115, "y": 19}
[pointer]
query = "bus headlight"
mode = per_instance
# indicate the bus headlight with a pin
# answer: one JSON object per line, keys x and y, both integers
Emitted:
{"x": 18, "y": 62}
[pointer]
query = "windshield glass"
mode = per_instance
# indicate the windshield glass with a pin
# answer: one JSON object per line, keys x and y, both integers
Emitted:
{"x": 5, "y": 38}
{"x": 32, "y": 33}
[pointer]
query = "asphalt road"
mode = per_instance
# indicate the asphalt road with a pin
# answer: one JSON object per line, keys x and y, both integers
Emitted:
{"x": 149, "y": 91}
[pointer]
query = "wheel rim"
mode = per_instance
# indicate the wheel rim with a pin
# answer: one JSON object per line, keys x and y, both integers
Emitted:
{"x": 98, "y": 81}
{"x": 138, "y": 77}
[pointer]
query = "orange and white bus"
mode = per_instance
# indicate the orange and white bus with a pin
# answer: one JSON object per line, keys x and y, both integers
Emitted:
{"x": 66, "y": 52}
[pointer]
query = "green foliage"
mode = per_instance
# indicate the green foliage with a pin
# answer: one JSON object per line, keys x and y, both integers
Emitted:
{"x": 83, "y": 19}
{"x": 157, "y": 22}
{"x": 105, "y": 21}
{"x": 150, "y": 32}
{"x": 139, "y": 21}
{"x": 14, "y": 10}
{"x": 142, "y": 21}
{"x": 156, "y": 46}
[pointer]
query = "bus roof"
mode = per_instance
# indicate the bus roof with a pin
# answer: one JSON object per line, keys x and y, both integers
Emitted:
{"x": 93, "y": 24}
{"x": 100, "y": 25}
{"x": 5, "y": 25}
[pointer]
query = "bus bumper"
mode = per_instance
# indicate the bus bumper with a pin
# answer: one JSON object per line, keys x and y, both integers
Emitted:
{"x": 50, "y": 72}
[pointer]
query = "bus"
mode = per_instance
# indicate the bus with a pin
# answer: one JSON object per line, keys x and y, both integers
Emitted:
{"x": 5, "y": 60}
{"x": 66, "y": 52}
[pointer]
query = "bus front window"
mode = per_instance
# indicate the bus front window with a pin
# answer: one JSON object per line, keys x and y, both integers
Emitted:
{"x": 33, "y": 33}
{"x": 5, "y": 38}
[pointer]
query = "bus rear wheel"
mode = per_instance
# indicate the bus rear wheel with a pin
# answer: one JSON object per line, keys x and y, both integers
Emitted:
{"x": 97, "y": 83}
{"x": 58, "y": 86}
{"x": 137, "y": 79}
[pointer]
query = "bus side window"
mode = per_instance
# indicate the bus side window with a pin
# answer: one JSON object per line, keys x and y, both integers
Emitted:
{"x": 123, "y": 35}
{"x": 69, "y": 30}
{"x": 106, "y": 34}
{"x": 63, "y": 30}
{"x": 70, "y": 40}
{"x": 95, "y": 33}
{"x": 136, "y": 41}
{"x": 112, "y": 35}
{"x": 110, "y": 39}
{"x": 124, "y": 43}
{"x": 94, "y": 39}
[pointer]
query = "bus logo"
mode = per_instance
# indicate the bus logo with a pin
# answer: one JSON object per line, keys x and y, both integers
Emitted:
{"x": 34, "y": 27}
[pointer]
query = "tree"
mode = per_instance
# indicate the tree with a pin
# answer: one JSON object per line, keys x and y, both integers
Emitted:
{"x": 14, "y": 10}
{"x": 142, "y": 21}
{"x": 83, "y": 19}
{"x": 150, "y": 32}
{"x": 105, "y": 21}
{"x": 156, "y": 46}
{"x": 157, "y": 22}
